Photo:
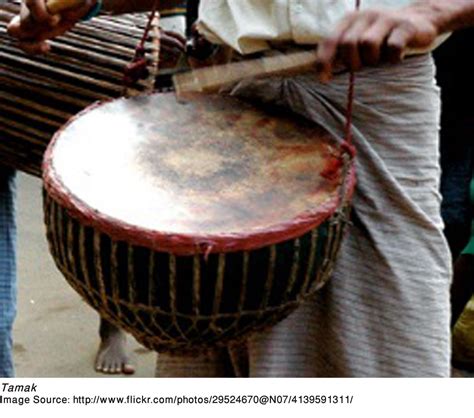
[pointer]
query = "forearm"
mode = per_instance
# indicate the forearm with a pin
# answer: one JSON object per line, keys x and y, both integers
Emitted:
{"x": 447, "y": 15}
{"x": 129, "y": 6}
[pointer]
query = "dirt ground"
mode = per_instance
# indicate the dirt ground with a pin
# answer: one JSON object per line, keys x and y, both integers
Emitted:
{"x": 55, "y": 331}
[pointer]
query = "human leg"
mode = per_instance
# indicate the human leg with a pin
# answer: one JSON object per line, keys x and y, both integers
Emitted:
{"x": 112, "y": 357}
{"x": 7, "y": 269}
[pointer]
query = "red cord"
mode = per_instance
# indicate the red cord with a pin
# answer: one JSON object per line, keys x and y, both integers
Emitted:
{"x": 137, "y": 69}
{"x": 154, "y": 10}
{"x": 350, "y": 101}
{"x": 347, "y": 149}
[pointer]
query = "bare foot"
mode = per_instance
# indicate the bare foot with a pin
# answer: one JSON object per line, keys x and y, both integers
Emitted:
{"x": 112, "y": 357}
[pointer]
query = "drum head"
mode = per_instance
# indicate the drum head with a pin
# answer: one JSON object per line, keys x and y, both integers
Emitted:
{"x": 213, "y": 174}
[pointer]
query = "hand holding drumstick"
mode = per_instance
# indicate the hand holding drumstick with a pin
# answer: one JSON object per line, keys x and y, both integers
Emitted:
{"x": 373, "y": 37}
{"x": 40, "y": 20}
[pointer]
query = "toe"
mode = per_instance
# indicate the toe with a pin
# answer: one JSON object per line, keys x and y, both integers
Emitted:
{"x": 128, "y": 369}
{"x": 99, "y": 367}
{"x": 117, "y": 369}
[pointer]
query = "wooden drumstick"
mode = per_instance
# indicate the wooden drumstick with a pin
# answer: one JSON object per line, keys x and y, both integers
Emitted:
{"x": 212, "y": 78}
{"x": 58, "y": 6}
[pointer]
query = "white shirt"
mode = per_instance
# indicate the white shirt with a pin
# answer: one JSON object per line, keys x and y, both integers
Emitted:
{"x": 248, "y": 25}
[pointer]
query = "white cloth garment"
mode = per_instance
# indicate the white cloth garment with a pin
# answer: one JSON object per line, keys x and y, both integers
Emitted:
{"x": 249, "y": 25}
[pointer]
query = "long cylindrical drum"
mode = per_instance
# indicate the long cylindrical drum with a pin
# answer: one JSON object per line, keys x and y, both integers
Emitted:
{"x": 38, "y": 94}
{"x": 193, "y": 224}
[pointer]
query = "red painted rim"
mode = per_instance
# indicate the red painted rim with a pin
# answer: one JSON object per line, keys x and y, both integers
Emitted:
{"x": 182, "y": 244}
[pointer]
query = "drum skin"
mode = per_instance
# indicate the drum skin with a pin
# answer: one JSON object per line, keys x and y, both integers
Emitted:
{"x": 182, "y": 280}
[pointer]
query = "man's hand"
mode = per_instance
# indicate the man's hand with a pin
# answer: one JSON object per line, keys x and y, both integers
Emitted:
{"x": 172, "y": 42}
{"x": 35, "y": 25}
{"x": 368, "y": 38}
{"x": 173, "y": 46}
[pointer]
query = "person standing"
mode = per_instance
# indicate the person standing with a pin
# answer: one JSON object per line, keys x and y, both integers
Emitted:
{"x": 385, "y": 312}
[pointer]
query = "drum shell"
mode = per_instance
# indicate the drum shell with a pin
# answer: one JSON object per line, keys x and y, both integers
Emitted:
{"x": 187, "y": 303}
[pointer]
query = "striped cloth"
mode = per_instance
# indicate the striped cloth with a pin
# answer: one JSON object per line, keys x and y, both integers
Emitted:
{"x": 7, "y": 269}
{"x": 385, "y": 311}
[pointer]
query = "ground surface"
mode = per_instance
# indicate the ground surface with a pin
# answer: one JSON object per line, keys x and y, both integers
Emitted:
{"x": 55, "y": 332}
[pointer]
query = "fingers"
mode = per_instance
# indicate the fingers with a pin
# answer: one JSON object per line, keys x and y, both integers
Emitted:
{"x": 34, "y": 26}
{"x": 13, "y": 28}
{"x": 38, "y": 11}
{"x": 328, "y": 49}
{"x": 366, "y": 38}
{"x": 34, "y": 48}
{"x": 26, "y": 29}
{"x": 37, "y": 44}
{"x": 372, "y": 41}
{"x": 172, "y": 42}
{"x": 350, "y": 42}
{"x": 32, "y": 20}
{"x": 180, "y": 38}
{"x": 416, "y": 34}
{"x": 58, "y": 30}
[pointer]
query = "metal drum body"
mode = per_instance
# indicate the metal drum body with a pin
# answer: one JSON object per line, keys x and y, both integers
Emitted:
{"x": 39, "y": 94}
{"x": 193, "y": 225}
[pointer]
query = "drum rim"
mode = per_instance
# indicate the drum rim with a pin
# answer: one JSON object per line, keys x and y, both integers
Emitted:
{"x": 183, "y": 244}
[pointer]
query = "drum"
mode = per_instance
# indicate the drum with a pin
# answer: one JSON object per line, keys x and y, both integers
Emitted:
{"x": 39, "y": 94}
{"x": 194, "y": 224}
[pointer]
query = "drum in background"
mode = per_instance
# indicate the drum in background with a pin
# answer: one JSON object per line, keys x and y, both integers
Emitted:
{"x": 38, "y": 94}
{"x": 193, "y": 224}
